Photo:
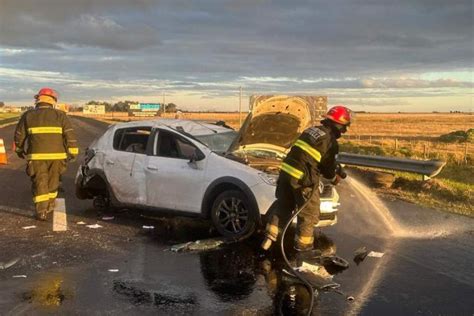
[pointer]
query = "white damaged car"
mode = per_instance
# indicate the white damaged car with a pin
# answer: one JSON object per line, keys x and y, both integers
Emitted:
{"x": 195, "y": 168}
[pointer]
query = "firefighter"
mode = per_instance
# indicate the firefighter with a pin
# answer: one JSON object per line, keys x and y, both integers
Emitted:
{"x": 313, "y": 154}
{"x": 44, "y": 136}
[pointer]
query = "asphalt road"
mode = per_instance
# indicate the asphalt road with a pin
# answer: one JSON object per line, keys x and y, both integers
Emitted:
{"x": 122, "y": 268}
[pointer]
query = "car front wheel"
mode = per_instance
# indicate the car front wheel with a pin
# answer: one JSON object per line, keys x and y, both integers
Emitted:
{"x": 232, "y": 215}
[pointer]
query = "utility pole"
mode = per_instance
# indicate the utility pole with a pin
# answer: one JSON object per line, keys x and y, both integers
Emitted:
{"x": 164, "y": 104}
{"x": 240, "y": 107}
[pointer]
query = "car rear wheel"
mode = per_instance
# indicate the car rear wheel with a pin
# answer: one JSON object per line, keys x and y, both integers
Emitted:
{"x": 232, "y": 215}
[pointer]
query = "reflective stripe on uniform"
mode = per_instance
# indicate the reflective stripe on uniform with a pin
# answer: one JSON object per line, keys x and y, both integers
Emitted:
{"x": 41, "y": 198}
{"x": 308, "y": 149}
{"x": 45, "y": 130}
{"x": 304, "y": 240}
{"x": 53, "y": 195}
{"x": 292, "y": 171}
{"x": 73, "y": 150}
{"x": 272, "y": 230}
{"x": 52, "y": 156}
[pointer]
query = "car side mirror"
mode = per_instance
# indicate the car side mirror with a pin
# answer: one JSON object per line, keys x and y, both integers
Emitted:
{"x": 196, "y": 156}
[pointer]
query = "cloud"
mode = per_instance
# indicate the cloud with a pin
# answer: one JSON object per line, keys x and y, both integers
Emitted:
{"x": 111, "y": 47}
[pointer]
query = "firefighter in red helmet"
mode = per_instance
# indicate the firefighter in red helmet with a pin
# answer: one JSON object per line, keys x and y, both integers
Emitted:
{"x": 44, "y": 136}
{"x": 311, "y": 156}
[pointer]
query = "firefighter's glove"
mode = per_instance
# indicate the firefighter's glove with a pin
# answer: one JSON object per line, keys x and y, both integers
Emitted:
{"x": 20, "y": 153}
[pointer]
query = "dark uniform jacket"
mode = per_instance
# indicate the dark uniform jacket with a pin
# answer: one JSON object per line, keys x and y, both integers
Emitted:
{"x": 313, "y": 153}
{"x": 47, "y": 134}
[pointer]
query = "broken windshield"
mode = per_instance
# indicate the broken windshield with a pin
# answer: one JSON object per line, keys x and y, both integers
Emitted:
{"x": 218, "y": 142}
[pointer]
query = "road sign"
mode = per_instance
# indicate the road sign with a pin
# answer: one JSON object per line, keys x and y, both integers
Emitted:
{"x": 150, "y": 107}
{"x": 94, "y": 109}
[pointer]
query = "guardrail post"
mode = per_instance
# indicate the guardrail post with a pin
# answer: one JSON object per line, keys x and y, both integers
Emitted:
{"x": 465, "y": 154}
{"x": 424, "y": 151}
{"x": 396, "y": 143}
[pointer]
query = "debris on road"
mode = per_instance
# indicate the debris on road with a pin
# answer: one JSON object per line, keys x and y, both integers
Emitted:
{"x": 95, "y": 226}
{"x": 360, "y": 254}
{"x": 6, "y": 265}
{"x": 350, "y": 298}
{"x": 38, "y": 254}
{"x": 375, "y": 254}
{"x": 29, "y": 227}
{"x": 107, "y": 218}
{"x": 148, "y": 227}
{"x": 81, "y": 223}
{"x": 198, "y": 245}
{"x": 113, "y": 270}
{"x": 19, "y": 276}
{"x": 334, "y": 261}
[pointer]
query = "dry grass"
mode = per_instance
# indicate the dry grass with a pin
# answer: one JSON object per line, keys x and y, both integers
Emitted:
{"x": 418, "y": 125}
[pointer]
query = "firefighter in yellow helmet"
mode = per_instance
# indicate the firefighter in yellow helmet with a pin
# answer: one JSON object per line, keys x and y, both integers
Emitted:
{"x": 44, "y": 136}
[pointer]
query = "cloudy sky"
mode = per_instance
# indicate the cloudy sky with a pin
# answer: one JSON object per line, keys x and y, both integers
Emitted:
{"x": 374, "y": 55}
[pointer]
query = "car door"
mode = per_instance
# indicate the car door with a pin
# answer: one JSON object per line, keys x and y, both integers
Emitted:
{"x": 172, "y": 180}
{"x": 125, "y": 163}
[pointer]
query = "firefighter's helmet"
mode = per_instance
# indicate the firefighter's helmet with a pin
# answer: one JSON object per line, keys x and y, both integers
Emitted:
{"x": 340, "y": 114}
{"x": 48, "y": 92}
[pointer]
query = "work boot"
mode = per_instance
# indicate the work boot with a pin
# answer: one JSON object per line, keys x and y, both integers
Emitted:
{"x": 51, "y": 206}
{"x": 42, "y": 216}
{"x": 303, "y": 248}
{"x": 312, "y": 256}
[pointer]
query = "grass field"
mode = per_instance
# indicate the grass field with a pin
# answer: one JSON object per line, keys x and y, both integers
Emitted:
{"x": 417, "y": 136}
{"x": 8, "y": 117}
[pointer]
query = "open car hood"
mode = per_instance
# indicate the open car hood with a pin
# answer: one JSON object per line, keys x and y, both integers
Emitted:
{"x": 275, "y": 121}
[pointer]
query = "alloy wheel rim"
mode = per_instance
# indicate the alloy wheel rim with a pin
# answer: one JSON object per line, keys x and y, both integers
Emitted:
{"x": 233, "y": 215}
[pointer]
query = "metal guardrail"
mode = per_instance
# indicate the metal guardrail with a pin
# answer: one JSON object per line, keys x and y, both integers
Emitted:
{"x": 427, "y": 168}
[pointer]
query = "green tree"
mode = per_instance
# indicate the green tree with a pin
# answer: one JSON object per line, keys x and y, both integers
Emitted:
{"x": 171, "y": 107}
{"x": 123, "y": 106}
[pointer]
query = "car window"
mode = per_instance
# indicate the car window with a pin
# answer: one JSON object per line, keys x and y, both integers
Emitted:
{"x": 132, "y": 140}
{"x": 218, "y": 142}
{"x": 173, "y": 146}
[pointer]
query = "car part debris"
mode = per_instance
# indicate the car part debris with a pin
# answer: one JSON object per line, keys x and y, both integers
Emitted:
{"x": 113, "y": 270}
{"x": 148, "y": 227}
{"x": 198, "y": 245}
{"x": 6, "y": 265}
{"x": 107, "y": 218}
{"x": 81, "y": 223}
{"x": 360, "y": 254}
{"x": 350, "y": 298}
{"x": 19, "y": 276}
{"x": 95, "y": 226}
{"x": 375, "y": 254}
{"x": 38, "y": 254}
{"x": 335, "y": 261}
{"x": 29, "y": 227}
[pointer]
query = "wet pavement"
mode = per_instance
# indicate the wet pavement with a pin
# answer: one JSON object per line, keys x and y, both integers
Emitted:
{"x": 123, "y": 268}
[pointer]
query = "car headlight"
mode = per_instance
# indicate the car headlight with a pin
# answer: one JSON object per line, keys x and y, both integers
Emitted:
{"x": 268, "y": 178}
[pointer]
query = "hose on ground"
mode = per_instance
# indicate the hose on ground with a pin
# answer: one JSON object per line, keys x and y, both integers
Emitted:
{"x": 291, "y": 269}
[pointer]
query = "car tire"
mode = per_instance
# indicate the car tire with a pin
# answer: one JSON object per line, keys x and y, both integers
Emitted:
{"x": 102, "y": 202}
{"x": 232, "y": 215}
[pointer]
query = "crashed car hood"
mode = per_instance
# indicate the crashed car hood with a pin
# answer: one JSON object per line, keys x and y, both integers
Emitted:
{"x": 275, "y": 122}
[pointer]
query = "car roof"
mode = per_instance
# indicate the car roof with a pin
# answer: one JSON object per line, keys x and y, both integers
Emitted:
{"x": 194, "y": 128}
